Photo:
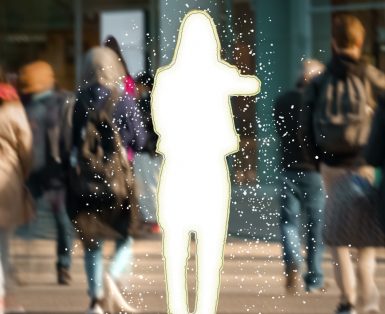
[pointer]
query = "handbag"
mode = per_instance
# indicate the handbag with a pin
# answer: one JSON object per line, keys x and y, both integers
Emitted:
{"x": 92, "y": 229}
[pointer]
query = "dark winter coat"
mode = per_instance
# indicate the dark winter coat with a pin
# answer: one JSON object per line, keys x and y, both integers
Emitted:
{"x": 125, "y": 115}
{"x": 152, "y": 137}
{"x": 375, "y": 151}
{"x": 44, "y": 111}
{"x": 339, "y": 67}
{"x": 127, "y": 119}
{"x": 294, "y": 156}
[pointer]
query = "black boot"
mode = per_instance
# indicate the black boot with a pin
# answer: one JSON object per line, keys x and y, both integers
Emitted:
{"x": 63, "y": 276}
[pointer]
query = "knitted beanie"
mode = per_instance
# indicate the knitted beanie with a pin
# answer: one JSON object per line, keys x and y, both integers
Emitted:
{"x": 36, "y": 77}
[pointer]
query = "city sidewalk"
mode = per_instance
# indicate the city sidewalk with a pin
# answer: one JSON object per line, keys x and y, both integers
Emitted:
{"x": 251, "y": 282}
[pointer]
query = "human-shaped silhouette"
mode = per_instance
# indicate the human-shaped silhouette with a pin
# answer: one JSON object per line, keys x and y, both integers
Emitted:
{"x": 193, "y": 118}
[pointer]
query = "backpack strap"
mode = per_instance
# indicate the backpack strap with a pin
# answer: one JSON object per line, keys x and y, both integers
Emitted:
{"x": 372, "y": 103}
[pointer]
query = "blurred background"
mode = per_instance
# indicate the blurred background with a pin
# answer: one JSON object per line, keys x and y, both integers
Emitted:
{"x": 267, "y": 38}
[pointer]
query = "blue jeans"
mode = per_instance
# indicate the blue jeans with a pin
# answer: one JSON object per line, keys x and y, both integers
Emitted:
{"x": 64, "y": 239}
{"x": 65, "y": 232}
{"x": 303, "y": 193}
{"x": 93, "y": 259}
{"x": 54, "y": 201}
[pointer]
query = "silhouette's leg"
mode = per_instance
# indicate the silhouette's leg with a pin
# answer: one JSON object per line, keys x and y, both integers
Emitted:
{"x": 210, "y": 247}
{"x": 176, "y": 253}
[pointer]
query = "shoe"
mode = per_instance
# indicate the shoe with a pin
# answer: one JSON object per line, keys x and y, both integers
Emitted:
{"x": 346, "y": 309}
{"x": 316, "y": 291}
{"x": 63, "y": 276}
{"x": 114, "y": 298}
{"x": 95, "y": 308}
{"x": 293, "y": 282}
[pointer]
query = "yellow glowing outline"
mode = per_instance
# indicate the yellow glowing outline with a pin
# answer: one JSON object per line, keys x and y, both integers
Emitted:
{"x": 167, "y": 67}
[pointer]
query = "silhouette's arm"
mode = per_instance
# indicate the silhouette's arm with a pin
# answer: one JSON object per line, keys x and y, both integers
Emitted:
{"x": 244, "y": 85}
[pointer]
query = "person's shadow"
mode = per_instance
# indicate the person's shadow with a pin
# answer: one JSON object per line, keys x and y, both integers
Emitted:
{"x": 193, "y": 118}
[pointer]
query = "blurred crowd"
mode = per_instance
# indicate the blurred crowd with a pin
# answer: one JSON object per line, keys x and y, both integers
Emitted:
{"x": 330, "y": 127}
{"x": 73, "y": 155}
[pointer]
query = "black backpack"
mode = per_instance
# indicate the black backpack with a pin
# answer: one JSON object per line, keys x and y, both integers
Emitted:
{"x": 66, "y": 129}
{"x": 342, "y": 114}
{"x": 102, "y": 176}
{"x": 46, "y": 117}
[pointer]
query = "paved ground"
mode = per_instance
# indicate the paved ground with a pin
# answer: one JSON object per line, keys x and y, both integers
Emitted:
{"x": 251, "y": 282}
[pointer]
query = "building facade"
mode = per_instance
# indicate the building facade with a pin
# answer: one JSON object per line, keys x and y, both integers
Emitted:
{"x": 267, "y": 38}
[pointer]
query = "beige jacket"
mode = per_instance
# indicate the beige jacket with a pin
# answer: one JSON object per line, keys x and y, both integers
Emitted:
{"x": 15, "y": 163}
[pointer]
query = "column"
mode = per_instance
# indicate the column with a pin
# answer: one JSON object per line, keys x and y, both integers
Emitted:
{"x": 78, "y": 39}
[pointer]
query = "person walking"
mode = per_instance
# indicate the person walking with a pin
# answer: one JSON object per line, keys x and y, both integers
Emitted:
{"x": 129, "y": 114}
{"x": 44, "y": 103}
{"x": 102, "y": 117}
{"x": 336, "y": 124}
{"x": 302, "y": 191}
{"x": 16, "y": 206}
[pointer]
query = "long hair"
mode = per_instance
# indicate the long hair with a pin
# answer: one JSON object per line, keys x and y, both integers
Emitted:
{"x": 197, "y": 40}
{"x": 112, "y": 43}
{"x": 102, "y": 66}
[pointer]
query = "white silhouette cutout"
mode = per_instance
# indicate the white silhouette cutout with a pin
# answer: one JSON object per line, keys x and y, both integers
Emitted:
{"x": 193, "y": 118}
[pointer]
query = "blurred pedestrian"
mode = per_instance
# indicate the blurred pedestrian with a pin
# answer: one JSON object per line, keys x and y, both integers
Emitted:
{"x": 44, "y": 104}
{"x": 147, "y": 162}
{"x": 16, "y": 206}
{"x": 104, "y": 124}
{"x": 302, "y": 194}
{"x": 128, "y": 113}
{"x": 336, "y": 124}
{"x": 129, "y": 83}
{"x": 375, "y": 155}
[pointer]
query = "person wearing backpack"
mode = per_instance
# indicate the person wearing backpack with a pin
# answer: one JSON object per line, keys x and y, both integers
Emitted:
{"x": 105, "y": 122}
{"x": 336, "y": 124}
{"x": 44, "y": 103}
{"x": 302, "y": 193}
